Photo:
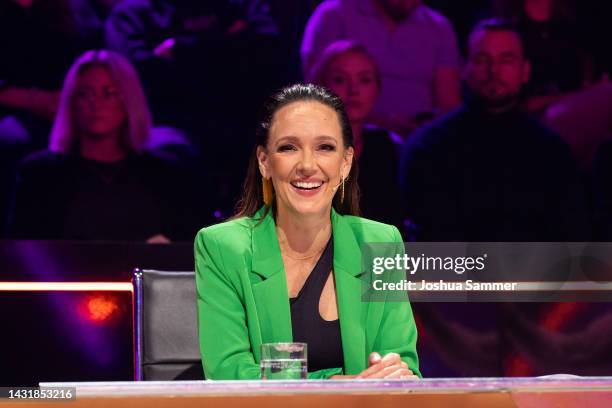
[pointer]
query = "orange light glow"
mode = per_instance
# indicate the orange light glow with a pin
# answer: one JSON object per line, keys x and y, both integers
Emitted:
{"x": 65, "y": 286}
{"x": 100, "y": 308}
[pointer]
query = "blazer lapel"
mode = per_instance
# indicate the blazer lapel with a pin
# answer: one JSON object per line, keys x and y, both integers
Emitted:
{"x": 351, "y": 309}
{"x": 270, "y": 283}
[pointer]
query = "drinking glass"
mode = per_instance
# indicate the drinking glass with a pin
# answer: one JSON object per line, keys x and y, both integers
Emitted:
{"x": 284, "y": 361}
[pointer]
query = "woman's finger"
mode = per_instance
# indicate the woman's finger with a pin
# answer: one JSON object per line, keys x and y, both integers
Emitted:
{"x": 370, "y": 370}
{"x": 404, "y": 365}
{"x": 374, "y": 358}
{"x": 384, "y": 372}
{"x": 390, "y": 359}
{"x": 373, "y": 369}
{"x": 397, "y": 374}
{"x": 386, "y": 361}
{"x": 401, "y": 374}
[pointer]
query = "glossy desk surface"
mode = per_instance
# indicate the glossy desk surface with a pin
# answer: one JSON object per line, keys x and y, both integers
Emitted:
{"x": 582, "y": 392}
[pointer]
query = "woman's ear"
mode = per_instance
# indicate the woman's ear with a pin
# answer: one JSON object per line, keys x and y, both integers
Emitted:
{"x": 347, "y": 163}
{"x": 262, "y": 160}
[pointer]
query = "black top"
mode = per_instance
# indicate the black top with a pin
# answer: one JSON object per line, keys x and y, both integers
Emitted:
{"x": 477, "y": 176}
{"x": 322, "y": 336}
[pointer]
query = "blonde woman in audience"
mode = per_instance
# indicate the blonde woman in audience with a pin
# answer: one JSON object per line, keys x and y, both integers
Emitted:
{"x": 97, "y": 181}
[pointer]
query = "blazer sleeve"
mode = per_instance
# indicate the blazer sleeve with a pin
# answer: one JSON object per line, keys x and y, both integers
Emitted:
{"x": 325, "y": 373}
{"x": 223, "y": 333}
{"x": 398, "y": 332}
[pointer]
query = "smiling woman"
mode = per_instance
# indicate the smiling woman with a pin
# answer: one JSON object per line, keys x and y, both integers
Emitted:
{"x": 286, "y": 267}
{"x": 305, "y": 157}
{"x": 301, "y": 127}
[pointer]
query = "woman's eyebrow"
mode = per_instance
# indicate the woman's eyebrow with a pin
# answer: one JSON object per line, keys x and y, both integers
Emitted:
{"x": 295, "y": 139}
{"x": 325, "y": 137}
{"x": 292, "y": 139}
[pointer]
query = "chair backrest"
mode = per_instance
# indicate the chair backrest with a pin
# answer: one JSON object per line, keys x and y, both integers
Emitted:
{"x": 165, "y": 326}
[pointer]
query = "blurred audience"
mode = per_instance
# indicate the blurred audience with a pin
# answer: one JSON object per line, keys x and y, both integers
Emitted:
{"x": 553, "y": 46}
{"x": 487, "y": 172}
{"x": 90, "y": 19}
{"x": 593, "y": 18}
{"x": 33, "y": 34}
{"x": 190, "y": 51}
{"x": 346, "y": 68}
{"x": 414, "y": 46}
{"x": 97, "y": 181}
{"x": 291, "y": 18}
{"x": 463, "y": 14}
{"x": 565, "y": 88}
{"x": 204, "y": 65}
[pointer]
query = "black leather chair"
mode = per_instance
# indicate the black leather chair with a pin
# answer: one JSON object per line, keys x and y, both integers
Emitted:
{"x": 165, "y": 326}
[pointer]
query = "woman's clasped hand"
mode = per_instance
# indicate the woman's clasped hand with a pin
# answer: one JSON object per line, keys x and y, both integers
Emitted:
{"x": 389, "y": 367}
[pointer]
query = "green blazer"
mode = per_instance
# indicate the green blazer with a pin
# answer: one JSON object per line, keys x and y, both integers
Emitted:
{"x": 243, "y": 301}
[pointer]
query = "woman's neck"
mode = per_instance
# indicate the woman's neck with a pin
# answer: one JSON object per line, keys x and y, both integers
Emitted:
{"x": 302, "y": 236}
{"x": 357, "y": 128}
{"x": 102, "y": 149}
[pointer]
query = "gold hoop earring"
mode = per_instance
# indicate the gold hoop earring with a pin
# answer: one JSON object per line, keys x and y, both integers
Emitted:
{"x": 268, "y": 192}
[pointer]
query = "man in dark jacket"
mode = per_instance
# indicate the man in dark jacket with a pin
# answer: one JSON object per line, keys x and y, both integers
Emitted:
{"x": 488, "y": 172}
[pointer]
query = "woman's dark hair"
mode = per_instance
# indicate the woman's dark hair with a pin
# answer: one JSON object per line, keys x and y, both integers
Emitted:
{"x": 252, "y": 196}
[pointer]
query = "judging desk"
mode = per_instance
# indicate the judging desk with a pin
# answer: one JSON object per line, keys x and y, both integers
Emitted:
{"x": 583, "y": 392}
